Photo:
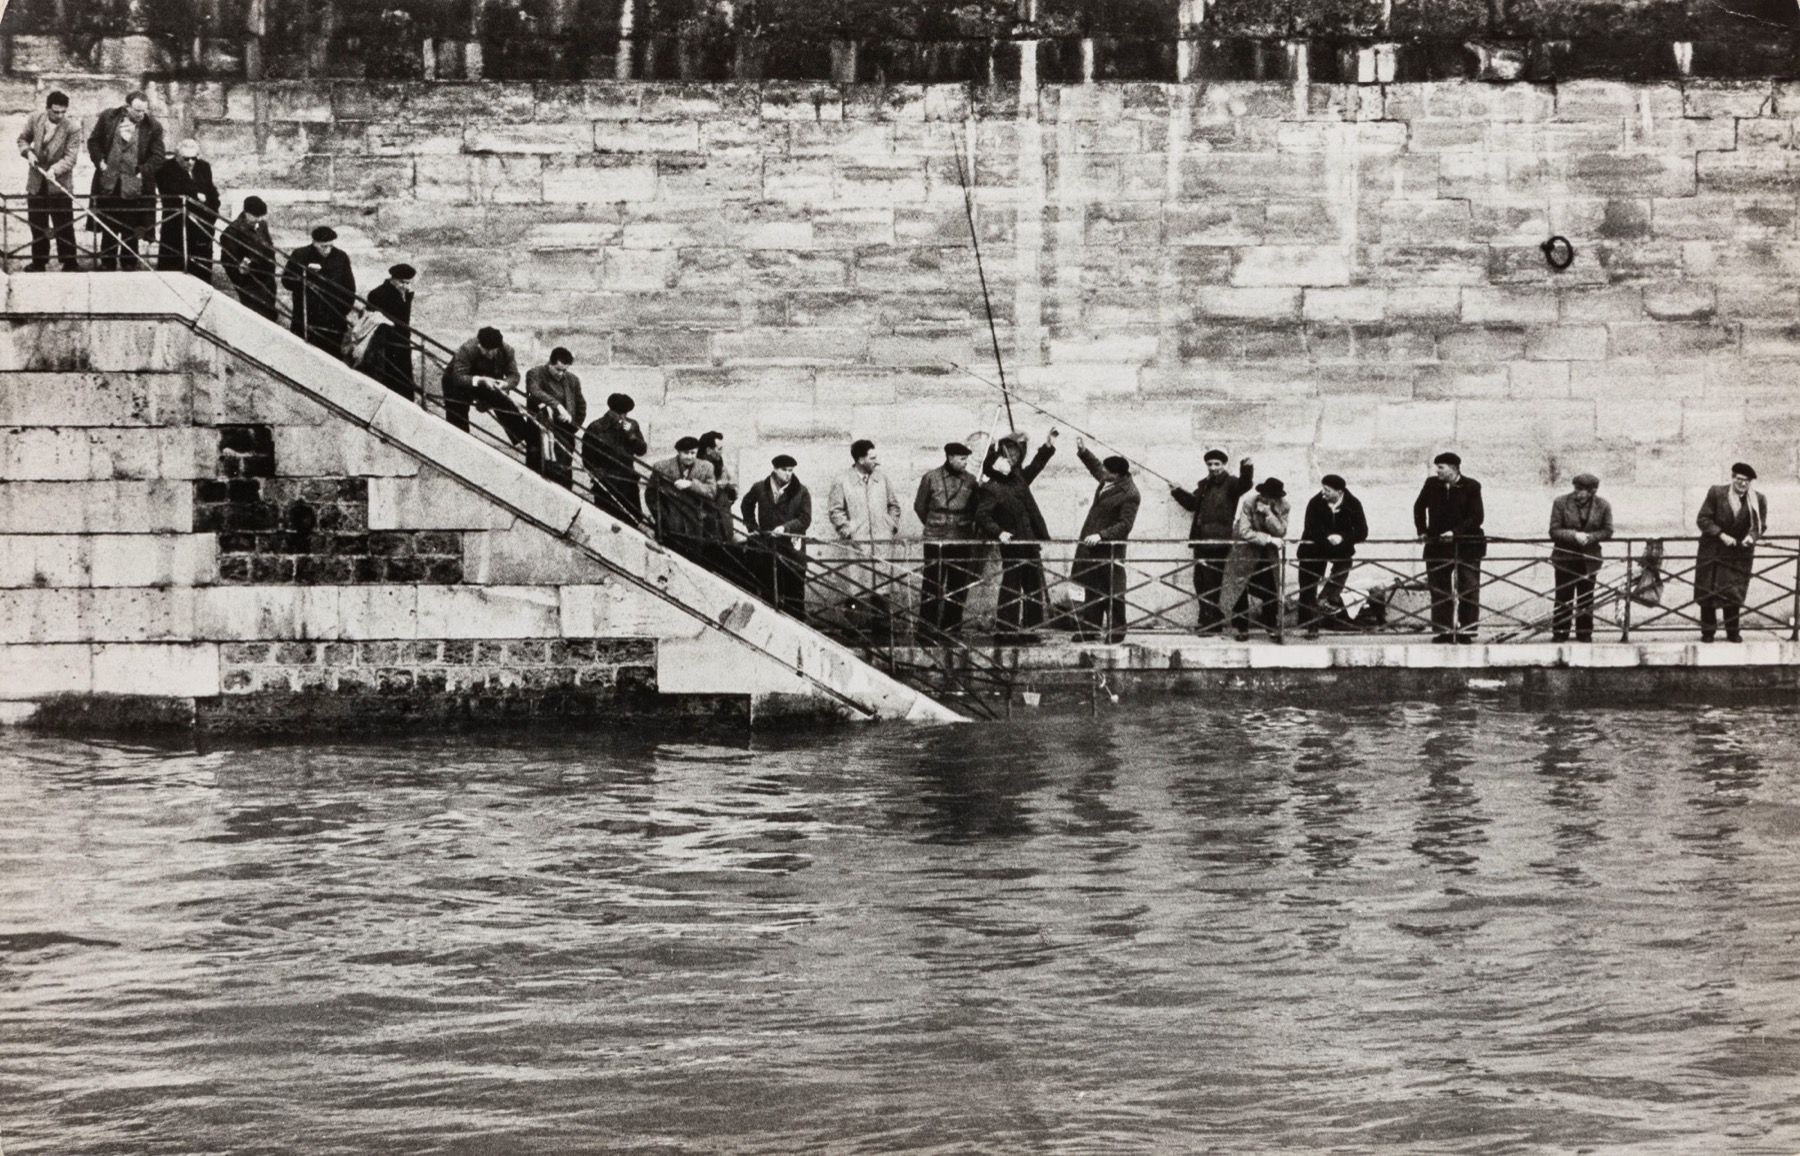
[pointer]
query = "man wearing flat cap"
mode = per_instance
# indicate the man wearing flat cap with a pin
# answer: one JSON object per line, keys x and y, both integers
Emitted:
{"x": 683, "y": 491}
{"x": 610, "y": 447}
{"x": 190, "y": 207}
{"x": 1731, "y": 519}
{"x": 1448, "y": 515}
{"x": 1100, "y": 555}
{"x": 389, "y": 359}
{"x": 249, "y": 257}
{"x": 1252, "y": 570}
{"x": 323, "y": 286}
{"x": 1334, "y": 525}
{"x": 777, "y": 512}
{"x": 1579, "y": 521}
{"x": 945, "y": 505}
{"x": 1213, "y": 501}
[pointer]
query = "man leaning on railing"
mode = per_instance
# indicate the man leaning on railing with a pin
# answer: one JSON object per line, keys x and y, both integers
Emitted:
{"x": 190, "y": 204}
{"x": 323, "y": 287}
{"x": 945, "y": 505}
{"x": 249, "y": 257}
{"x": 481, "y": 373}
{"x": 1730, "y": 520}
{"x": 47, "y": 142}
{"x": 1579, "y": 521}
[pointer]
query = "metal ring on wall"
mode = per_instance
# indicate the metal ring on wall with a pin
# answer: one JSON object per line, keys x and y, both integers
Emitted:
{"x": 1558, "y": 252}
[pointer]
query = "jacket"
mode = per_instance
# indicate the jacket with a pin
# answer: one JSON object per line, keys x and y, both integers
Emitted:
{"x": 472, "y": 361}
{"x": 1002, "y": 504}
{"x": 862, "y": 507}
{"x": 610, "y": 443}
{"x": 1451, "y": 509}
{"x": 176, "y": 184}
{"x": 1259, "y": 525}
{"x": 322, "y": 297}
{"x": 1115, "y": 507}
{"x": 682, "y": 513}
{"x": 1347, "y": 521}
{"x": 945, "y": 504}
{"x": 1716, "y": 520}
{"x": 1019, "y": 484}
{"x": 1213, "y": 502}
{"x": 150, "y": 151}
{"x": 723, "y": 504}
{"x": 246, "y": 240}
{"x": 542, "y": 391}
{"x": 392, "y": 304}
{"x": 56, "y": 152}
{"x": 1568, "y": 518}
{"x": 791, "y": 510}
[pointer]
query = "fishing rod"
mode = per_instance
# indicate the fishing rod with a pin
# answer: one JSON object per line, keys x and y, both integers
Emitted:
{"x": 981, "y": 273}
{"x": 1060, "y": 421}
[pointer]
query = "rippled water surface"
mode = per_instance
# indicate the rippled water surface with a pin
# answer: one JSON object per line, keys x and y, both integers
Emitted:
{"x": 1413, "y": 928}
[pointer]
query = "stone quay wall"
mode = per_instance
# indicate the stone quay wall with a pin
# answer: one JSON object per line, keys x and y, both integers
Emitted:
{"x": 1327, "y": 277}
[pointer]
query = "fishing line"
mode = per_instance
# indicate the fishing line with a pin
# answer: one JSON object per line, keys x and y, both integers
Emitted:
{"x": 981, "y": 273}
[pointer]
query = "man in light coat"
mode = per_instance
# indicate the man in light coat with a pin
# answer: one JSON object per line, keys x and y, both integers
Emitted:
{"x": 1252, "y": 569}
{"x": 683, "y": 492}
{"x": 48, "y": 144}
{"x": 865, "y": 514}
{"x": 1579, "y": 521}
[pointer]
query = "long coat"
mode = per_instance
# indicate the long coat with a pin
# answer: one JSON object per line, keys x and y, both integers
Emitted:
{"x": 1256, "y": 535}
{"x": 150, "y": 151}
{"x": 1018, "y": 487}
{"x": 322, "y": 297}
{"x": 181, "y": 247}
{"x": 1454, "y": 508}
{"x": 390, "y": 353}
{"x": 1213, "y": 502}
{"x": 681, "y": 515}
{"x": 1115, "y": 507}
{"x": 863, "y": 507}
{"x": 1721, "y": 572}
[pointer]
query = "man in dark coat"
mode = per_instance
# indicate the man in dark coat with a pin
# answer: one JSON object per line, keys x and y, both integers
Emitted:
{"x": 127, "y": 149}
{"x": 1213, "y": 502}
{"x": 1731, "y": 519}
{"x": 1006, "y": 511}
{"x": 945, "y": 505}
{"x": 249, "y": 258}
{"x": 390, "y": 356}
{"x": 1579, "y": 522}
{"x": 777, "y": 511}
{"x": 610, "y": 448}
{"x": 1100, "y": 555}
{"x": 323, "y": 287}
{"x": 1334, "y": 526}
{"x": 190, "y": 208}
{"x": 481, "y": 373}
{"x": 683, "y": 490}
{"x": 1448, "y": 515}
{"x": 553, "y": 398}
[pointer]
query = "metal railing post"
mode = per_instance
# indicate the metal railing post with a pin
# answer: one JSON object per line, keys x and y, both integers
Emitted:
{"x": 1281, "y": 592}
{"x": 1630, "y": 585}
{"x": 1794, "y": 605}
{"x": 6, "y": 236}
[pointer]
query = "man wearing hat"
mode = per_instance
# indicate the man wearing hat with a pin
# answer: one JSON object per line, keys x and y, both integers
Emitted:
{"x": 389, "y": 359}
{"x": 945, "y": 505}
{"x": 1731, "y": 519}
{"x": 1448, "y": 515}
{"x": 553, "y": 398}
{"x": 484, "y": 370}
{"x": 1334, "y": 525}
{"x": 1253, "y": 567}
{"x": 777, "y": 511}
{"x": 249, "y": 257}
{"x": 1100, "y": 555}
{"x": 610, "y": 448}
{"x": 1213, "y": 502}
{"x": 1007, "y": 511}
{"x": 323, "y": 287}
{"x": 684, "y": 490}
{"x": 190, "y": 205}
{"x": 1579, "y": 521}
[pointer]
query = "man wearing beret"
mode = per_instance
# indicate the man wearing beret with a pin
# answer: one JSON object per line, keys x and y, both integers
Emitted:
{"x": 483, "y": 373}
{"x": 323, "y": 286}
{"x": 683, "y": 491}
{"x": 1579, "y": 521}
{"x": 1334, "y": 525}
{"x": 1213, "y": 501}
{"x": 249, "y": 258}
{"x": 1100, "y": 556}
{"x": 945, "y": 505}
{"x": 1731, "y": 519}
{"x": 609, "y": 449}
{"x": 777, "y": 511}
{"x": 389, "y": 359}
{"x": 1448, "y": 515}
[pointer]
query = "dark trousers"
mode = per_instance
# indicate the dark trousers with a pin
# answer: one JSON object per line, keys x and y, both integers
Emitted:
{"x": 256, "y": 291}
{"x": 1322, "y": 589}
{"x": 117, "y": 217}
{"x": 1209, "y": 575}
{"x": 780, "y": 573}
{"x": 51, "y": 215}
{"x": 1574, "y": 595}
{"x": 551, "y": 450}
{"x": 615, "y": 492}
{"x": 1453, "y": 572}
{"x": 1709, "y": 618}
{"x": 186, "y": 248}
{"x": 487, "y": 399}
{"x": 1101, "y": 572}
{"x": 951, "y": 570}
{"x": 1262, "y": 585}
{"x": 1022, "y": 594}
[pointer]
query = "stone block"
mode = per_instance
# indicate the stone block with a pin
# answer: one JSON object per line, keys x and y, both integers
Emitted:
{"x": 598, "y": 180}
{"x": 1538, "y": 379}
{"x": 38, "y": 672}
{"x": 1528, "y": 654}
{"x": 188, "y": 670}
{"x": 1670, "y": 341}
{"x": 1442, "y": 382}
{"x": 432, "y": 501}
{"x": 489, "y": 612}
{"x": 1728, "y": 99}
{"x": 686, "y": 101}
{"x": 616, "y": 610}
{"x": 327, "y": 452}
{"x": 1481, "y": 344}
{"x": 1607, "y": 100}
{"x": 124, "y": 507}
{"x": 629, "y": 269}
{"x": 1566, "y": 343}
{"x": 1277, "y": 265}
{"x": 380, "y": 612}
{"x": 780, "y": 346}
{"x": 632, "y": 137}
{"x": 1758, "y": 172}
{"x": 452, "y": 104}
{"x": 560, "y": 139}
{"x": 1607, "y": 654}
{"x": 1519, "y": 306}
{"x": 148, "y": 560}
{"x": 1247, "y": 302}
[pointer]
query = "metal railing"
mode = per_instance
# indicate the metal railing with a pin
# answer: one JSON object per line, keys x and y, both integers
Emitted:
{"x": 885, "y": 631}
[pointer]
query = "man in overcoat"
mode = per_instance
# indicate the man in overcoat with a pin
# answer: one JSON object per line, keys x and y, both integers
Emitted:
{"x": 1448, "y": 515}
{"x": 553, "y": 398}
{"x": 390, "y": 356}
{"x": 945, "y": 505}
{"x": 190, "y": 209}
{"x": 127, "y": 149}
{"x": 1100, "y": 555}
{"x": 777, "y": 511}
{"x": 683, "y": 490}
{"x": 322, "y": 285}
{"x": 1213, "y": 501}
{"x": 609, "y": 448}
{"x": 1579, "y": 521}
{"x": 1730, "y": 520}
{"x": 248, "y": 255}
{"x": 1007, "y": 512}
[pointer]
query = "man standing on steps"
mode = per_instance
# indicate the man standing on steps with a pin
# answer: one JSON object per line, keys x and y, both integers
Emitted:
{"x": 48, "y": 143}
{"x": 1100, "y": 556}
{"x": 778, "y": 511}
{"x": 712, "y": 451}
{"x": 190, "y": 205}
{"x": 683, "y": 490}
{"x": 126, "y": 147}
{"x": 1448, "y": 516}
{"x": 945, "y": 505}
{"x": 553, "y": 397}
{"x": 481, "y": 374}
{"x": 249, "y": 258}
{"x": 323, "y": 287}
{"x": 389, "y": 359}
{"x": 609, "y": 448}
{"x": 1213, "y": 502}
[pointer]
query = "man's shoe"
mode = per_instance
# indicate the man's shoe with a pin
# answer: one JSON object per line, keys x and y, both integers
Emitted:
{"x": 1276, "y": 638}
{"x": 70, "y": 267}
{"x": 1443, "y": 638}
{"x": 1706, "y": 636}
{"x": 1115, "y": 639}
{"x": 1465, "y": 640}
{"x": 35, "y": 267}
{"x": 1242, "y": 636}
{"x": 1312, "y": 632}
{"x": 1734, "y": 637}
{"x": 1584, "y": 638}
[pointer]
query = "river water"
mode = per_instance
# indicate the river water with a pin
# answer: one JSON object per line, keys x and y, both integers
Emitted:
{"x": 1432, "y": 928}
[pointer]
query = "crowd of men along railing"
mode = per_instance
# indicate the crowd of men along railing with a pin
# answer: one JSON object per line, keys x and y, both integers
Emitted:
{"x": 988, "y": 567}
